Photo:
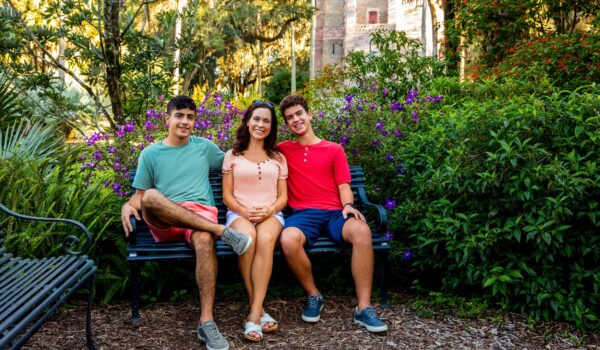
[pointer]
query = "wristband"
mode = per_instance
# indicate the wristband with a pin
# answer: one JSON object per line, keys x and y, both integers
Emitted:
{"x": 349, "y": 203}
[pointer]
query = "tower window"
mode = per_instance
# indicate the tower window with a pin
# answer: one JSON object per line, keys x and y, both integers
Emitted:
{"x": 373, "y": 17}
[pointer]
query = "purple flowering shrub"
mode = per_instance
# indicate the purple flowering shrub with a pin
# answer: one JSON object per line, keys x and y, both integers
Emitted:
{"x": 371, "y": 126}
{"x": 111, "y": 156}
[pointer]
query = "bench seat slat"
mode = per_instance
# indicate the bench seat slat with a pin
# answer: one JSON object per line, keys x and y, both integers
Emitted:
{"x": 47, "y": 277}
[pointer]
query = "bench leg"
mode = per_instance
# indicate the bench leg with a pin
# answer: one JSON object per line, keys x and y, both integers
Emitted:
{"x": 135, "y": 291}
{"x": 88, "y": 318}
{"x": 385, "y": 271}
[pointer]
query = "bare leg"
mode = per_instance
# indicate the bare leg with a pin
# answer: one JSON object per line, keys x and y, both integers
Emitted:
{"x": 267, "y": 233}
{"x": 245, "y": 261}
{"x": 292, "y": 243}
{"x": 165, "y": 213}
{"x": 358, "y": 234}
{"x": 206, "y": 272}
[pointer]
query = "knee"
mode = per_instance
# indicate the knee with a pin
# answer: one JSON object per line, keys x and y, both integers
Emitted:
{"x": 266, "y": 239}
{"x": 291, "y": 240}
{"x": 150, "y": 198}
{"x": 361, "y": 236}
{"x": 202, "y": 242}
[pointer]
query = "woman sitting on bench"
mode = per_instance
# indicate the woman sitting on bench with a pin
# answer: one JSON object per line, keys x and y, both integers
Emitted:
{"x": 255, "y": 191}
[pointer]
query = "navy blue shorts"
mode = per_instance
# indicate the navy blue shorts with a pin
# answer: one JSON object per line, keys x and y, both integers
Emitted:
{"x": 314, "y": 222}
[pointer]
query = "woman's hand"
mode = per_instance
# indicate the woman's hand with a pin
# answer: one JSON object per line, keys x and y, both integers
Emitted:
{"x": 260, "y": 214}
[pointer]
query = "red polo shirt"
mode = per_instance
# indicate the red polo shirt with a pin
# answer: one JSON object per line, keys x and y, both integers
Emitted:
{"x": 314, "y": 174}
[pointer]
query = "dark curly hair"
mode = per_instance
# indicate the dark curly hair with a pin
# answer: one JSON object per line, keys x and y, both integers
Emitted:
{"x": 242, "y": 135}
{"x": 291, "y": 101}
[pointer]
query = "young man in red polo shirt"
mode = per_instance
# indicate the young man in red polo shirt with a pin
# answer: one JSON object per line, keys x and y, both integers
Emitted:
{"x": 319, "y": 193}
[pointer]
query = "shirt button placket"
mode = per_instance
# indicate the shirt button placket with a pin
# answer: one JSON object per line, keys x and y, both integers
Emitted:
{"x": 305, "y": 155}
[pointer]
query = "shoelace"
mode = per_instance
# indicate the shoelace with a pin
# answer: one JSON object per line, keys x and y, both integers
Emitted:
{"x": 369, "y": 312}
{"x": 313, "y": 302}
{"x": 212, "y": 332}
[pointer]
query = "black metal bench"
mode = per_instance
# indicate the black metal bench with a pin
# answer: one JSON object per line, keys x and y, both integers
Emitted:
{"x": 141, "y": 246}
{"x": 31, "y": 290}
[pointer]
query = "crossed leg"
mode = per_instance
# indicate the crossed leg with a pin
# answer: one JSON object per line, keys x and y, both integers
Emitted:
{"x": 165, "y": 213}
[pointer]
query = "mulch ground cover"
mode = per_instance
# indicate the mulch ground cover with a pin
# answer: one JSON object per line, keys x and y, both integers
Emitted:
{"x": 171, "y": 325}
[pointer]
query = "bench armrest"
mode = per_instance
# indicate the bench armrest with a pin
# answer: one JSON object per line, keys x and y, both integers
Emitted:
{"x": 69, "y": 241}
{"x": 132, "y": 238}
{"x": 381, "y": 222}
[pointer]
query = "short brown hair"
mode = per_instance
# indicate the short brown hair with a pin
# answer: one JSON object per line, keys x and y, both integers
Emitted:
{"x": 291, "y": 101}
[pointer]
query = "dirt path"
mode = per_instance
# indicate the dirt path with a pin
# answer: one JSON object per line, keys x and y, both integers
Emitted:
{"x": 172, "y": 326}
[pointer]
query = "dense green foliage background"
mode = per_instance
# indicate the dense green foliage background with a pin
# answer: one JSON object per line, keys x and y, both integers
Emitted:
{"x": 492, "y": 185}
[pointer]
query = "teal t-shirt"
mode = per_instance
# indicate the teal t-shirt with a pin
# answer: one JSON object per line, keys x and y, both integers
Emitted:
{"x": 179, "y": 172}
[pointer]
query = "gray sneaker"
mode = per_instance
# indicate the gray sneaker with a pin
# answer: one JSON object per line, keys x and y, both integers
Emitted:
{"x": 208, "y": 332}
{"x": 239, "y": 242}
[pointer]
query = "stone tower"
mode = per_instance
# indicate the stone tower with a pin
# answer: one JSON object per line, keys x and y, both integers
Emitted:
{"x": 342, "y": 26}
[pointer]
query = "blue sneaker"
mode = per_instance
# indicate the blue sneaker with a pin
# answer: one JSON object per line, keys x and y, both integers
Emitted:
{"x": 312, "y": 309}
{"x": 368, "y": 319}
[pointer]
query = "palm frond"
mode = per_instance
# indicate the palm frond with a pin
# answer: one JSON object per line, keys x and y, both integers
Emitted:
{"x": 35, "y": 141}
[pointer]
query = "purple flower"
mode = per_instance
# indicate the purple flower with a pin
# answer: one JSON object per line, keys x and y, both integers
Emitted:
{"x": 116, "y": 187}
{"x": 407, "y": 255}
{"x": 397, "y": 106}
{"x": 97, "y": 155}
{"x": 321, "y": 114}
{"x": 398, "y": 133}
{"x": 389, "y": 157}
{"x": 347, "y": 107}
{"x": 384, "y": 133}
{"x": 415, "y": 116}
{"x": 149, "y": 126}
{"x": 412, "y": 96}
{"x": 359, "y": 107}
{"x": 217, "y": 99}
{"x": 390, "y": 204}
{"x": 373, "y": 105}
{"x": 400, "y": 169}
{"x": 95, "y": 137}
{"x": 355, "y": 151}
{"x": 129, "y": 127}
{"x": 120, "y": 133}
{"x": 344, "y": 140}
{"x": 117, "y": 166}
{"x": 379, "y": 125}
{"x": 385, "y": 92}
{"x": 149, "y": 138}
{"x": 111, "y": 149}
{"x": 388, "y": 235}
{"x": 88, "y": 165}
{"x": 376, "y": 142}
{"x": 373, "y": 87}
{"x": 82, "y": 157}
{"x": 349, "y": 98}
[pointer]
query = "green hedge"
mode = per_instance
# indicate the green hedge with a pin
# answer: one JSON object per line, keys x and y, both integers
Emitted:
{"x": 500, "y": 198}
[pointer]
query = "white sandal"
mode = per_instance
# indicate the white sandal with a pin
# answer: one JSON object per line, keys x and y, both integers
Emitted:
{"x": 250, "y": 327}
{"x": 266, "y": 318}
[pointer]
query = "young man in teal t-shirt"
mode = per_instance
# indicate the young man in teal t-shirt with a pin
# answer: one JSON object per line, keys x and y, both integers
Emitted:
{"x": 174, "y": 195}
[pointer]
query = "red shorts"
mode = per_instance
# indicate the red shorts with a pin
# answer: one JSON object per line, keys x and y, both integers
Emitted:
{"x": 173, "y": 234}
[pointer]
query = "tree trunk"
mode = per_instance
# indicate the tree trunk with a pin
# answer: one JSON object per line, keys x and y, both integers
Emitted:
{"x": 434, "y": 28}
{"x": 112, "y": 57}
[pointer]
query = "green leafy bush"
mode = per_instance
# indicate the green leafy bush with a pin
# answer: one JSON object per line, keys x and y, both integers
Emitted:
{"x": 500, "y": 200}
